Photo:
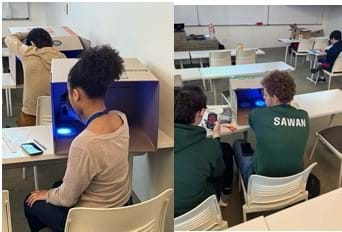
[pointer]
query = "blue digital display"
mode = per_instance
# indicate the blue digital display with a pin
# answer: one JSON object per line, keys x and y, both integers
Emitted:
{"x": 259, "y": 103}
{"x": 64, "y": 131}
{"x": 249, "y": 98}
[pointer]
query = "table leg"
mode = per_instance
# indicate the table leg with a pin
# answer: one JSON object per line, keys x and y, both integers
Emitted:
{"x": 10, "y": 103}
{"x": 214, "y": 91}
{"x": 311, "y": 78}
{"x": 331, "y": 119}
{"x": 286, "y": 52}
{"x": 203, "y": 80}
{"x": 7, "y": 103}
{"x": 35, "y": 176}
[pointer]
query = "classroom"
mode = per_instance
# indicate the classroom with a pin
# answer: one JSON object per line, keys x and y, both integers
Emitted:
{"x": 144, "y": 94}
{"x": 258, "y": 120}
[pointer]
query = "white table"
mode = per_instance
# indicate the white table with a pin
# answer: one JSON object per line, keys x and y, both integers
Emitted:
{"x": 316, "y": 54}
{"x": 316, "y": 104}
{"x": 241, "y": 71}
{"x": 180, "y": 56}
{"x": 8, "y": 83}
{"x": 256, "y": 224}
{"x": 288, "y": 42}
{"x": 321, "y": 213}
{"x": 204, "y": 54}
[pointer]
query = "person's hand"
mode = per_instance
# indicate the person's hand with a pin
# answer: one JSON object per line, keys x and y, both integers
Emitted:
{"x": 230, "y": 127}
{"x": 37, "y": 195}
{"x": 322, "y": 49}
{"x": 217, "y": 129}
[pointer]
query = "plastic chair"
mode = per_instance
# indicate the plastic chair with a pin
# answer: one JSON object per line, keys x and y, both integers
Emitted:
{"x": 206, "y": 216}
{"x": 246, "y": 56}
{"x": 178, "y": 81}
{"x": 335, "y": 71}
{"x": 303, "y": 47}
{"x": 6, "y": 212}
{"x": 220, "y": 58}
{"x": 43, "y": 117}
{"x": 271, "y": 193}
{"x": 331, "y": 137}
{"x": 146, "y": 216}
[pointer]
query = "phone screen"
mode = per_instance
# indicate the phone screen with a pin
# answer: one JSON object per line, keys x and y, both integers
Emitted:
{"x": 31, "y": 149}
{"x": 212, "y": 118}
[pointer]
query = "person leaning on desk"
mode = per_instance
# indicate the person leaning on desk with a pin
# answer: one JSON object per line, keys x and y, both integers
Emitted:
{"x": 97, "y": 167}
{"x": 35, "y": 55}
{"x": 202, "y": 166}
{"x": 281, "y": 132}
{"x": 332, "y": 53}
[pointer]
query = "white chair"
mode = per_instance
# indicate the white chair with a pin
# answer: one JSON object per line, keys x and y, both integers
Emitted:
{"x": 178, "y": 81}
{"x": 146, "y": 216}
{"x": 270, "y": 193}
{"x": 246, "y": 56}
{"x": 220, "y": 58}
{"x": 335, "y": 71}
{"x": 331, "y": 137}
{"x": 6, "y": 212}
{"x": 206, "y": 216}
{"x": 303, "y": 47}
{"x": 43, "y": 117}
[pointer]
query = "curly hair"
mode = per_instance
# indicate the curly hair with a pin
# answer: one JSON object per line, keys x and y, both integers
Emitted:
{"x": 97, "y": 68}
{"x": 188, "y": 101}
{"x": 39, "y": 37}
{"x": 281, "y": 85}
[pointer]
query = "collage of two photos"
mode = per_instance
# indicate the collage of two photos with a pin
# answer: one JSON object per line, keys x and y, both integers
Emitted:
{"x": 157, "y": 116}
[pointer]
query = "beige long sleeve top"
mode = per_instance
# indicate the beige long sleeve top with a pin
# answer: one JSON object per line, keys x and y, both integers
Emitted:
{"x": 36, "y": 65}
{"x": 97, "y": 173}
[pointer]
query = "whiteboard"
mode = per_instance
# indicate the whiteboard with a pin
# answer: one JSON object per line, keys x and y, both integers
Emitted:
{"x": 296, "y": 14}
{"x": 186, "y": 14}
{"x": 15, "y": 10}
{"x": 232, "y": 15}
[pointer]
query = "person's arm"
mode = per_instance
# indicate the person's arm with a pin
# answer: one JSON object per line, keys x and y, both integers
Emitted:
{"x": 15, "y": 44}
{"x": 78, "y": 175}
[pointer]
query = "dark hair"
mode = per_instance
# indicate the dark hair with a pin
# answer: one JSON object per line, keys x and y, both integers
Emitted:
{"x": 188, "y": 100}
{"x": 281, "y": 85}
{"x": 39, "y": 37}
{"x": 336, "y": 35}
{"x": 97, "y": 68}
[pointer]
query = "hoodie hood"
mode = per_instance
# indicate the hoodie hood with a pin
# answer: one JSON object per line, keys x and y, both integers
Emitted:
{"x": 187, "y": 135}
{"x": 45, "y": 54}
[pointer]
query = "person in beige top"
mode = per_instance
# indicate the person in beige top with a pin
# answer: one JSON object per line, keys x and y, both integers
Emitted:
{"x": 97, "y": 173}
{"x": 35, "y": 55}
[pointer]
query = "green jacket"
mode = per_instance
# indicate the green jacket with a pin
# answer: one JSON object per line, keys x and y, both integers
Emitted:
{"x": 198, "y": 160}
{"x": 281, "y": 133}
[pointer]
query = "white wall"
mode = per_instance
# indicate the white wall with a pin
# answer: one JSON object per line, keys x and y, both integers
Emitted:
{"x": 333, "y": 19}
{"x": 37, "y": 18}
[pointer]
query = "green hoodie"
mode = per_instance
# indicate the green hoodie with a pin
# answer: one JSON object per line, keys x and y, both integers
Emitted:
{"x": 198, "y": 160}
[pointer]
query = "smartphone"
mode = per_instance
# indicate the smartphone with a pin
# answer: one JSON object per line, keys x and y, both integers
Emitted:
{"x": 31, "y": 149}
{"x": 212, "y": 118}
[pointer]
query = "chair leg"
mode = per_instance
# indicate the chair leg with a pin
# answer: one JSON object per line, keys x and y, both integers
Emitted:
{"x": 291, "y": 57}
{"x": 244, "y": 213}
{"x": 296, "y": 62}
{"x": 340, "y": 178}
{"x": 204, "y": 85}
{"x": 24, "y": 173}
{"x": 314, "y": 147}
{"x": 35, "y": 176}
{"x": 317, "y": 77}
{"x": 329, "y": 82}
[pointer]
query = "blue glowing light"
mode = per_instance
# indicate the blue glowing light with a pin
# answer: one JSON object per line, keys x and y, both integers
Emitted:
{"x": 65, "y": 131}
{"x": 260, "y": 103}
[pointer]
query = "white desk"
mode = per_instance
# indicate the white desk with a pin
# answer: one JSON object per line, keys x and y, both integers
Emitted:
{"x": 204, "y": 54}
{"x": 316, "y": 104}
{"x": 8, "y": 83}
{"x": 288, "y": 42}
{"x": 180, "y": 56}
{"x": 240, "y": 71}
{"x": 321, "y": 213}
{"x": 256, "y": 224}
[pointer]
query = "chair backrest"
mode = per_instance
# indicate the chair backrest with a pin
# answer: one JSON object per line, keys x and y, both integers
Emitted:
{"x": 6, "y": 212}
{"x": 305, "y": 45}
{"x": 206, "y": 216}
{"x": 220, "y": 58}
{"x": 43, "y": 110}
{"x": 178, "y": 80}
{"x": 246, "y": 56}
{"x": 337, "y": 67}
{"x": 266, "y": 190}
{"x": 320, "y": 43}
{"x": 146, "y": 216}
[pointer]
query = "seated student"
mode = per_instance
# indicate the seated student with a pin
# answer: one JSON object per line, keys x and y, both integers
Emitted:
{"x": 332, "y": 54}
{"x": 97, "y": 167}
{"x": 281, "y": 132}
{"x": 202, "y": 166}
{"x": 35, "y": 55}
